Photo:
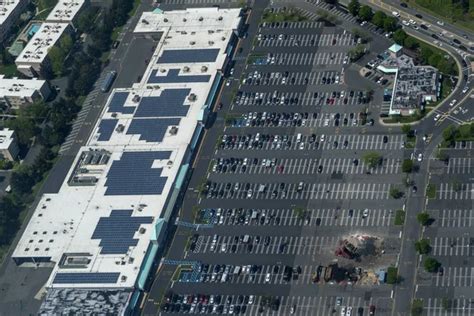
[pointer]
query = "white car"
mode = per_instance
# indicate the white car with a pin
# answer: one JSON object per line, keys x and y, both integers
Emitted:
{"x": 249, "y": 193}
{"x": 228, "y": 83}
{"x": 250, "y": 299}
{"x": 349, "y": 311}
{"x": 440, "y": 23}
{"x": 301, "y": 146}
{"x": 452, "y": 103}
{"x": 405, "y": 22}
{"x": 323, "y": 138}
{"x": 436, "y": 118}
{"x": 224, "y": 248}
{"x": 267, "y": 278}
{"x": 343, "y": 311}
{"x": 395, "y": 13}
{"x": 420, "y": 157}
{"x": 365, "y": 213}
{"x": 465, "y": 89}
{"x": 412, "y": 22}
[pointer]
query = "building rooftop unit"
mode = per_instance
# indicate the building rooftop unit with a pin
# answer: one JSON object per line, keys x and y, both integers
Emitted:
{"x": 192, "y": 20}
{"x": 395, "y": 48}
{"x": 39, "y": 45}
{"x": 65, "y": 10}
{"x": 15, "y": 87}
{"x": 98, "y": 227}
{"x": 6, "y": 8}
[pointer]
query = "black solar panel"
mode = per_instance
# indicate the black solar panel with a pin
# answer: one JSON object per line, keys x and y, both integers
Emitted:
{"x": 116, "y": 231}
{"x": 188, "y": 56}
{"x": 106, "y": 128}
{"x": 133, "y": 174}
{"x": 173, "y": 77}
{"x": 151, "y": 130}
{"x": 169, "y": 103}
{"x": 99, "y": 277}
{"x": 117, "y": 104}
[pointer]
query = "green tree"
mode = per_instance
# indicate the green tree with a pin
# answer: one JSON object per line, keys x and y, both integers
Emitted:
{"x": 407, "y": 166}
{"x": 354, "y": 7}
{"x": 372, "y": 159}
{"x": 423, "y": 218}
{"x": 390, "y": 24}
{"x": 357, "y": 52}
{"x": 450, "y": 133}
{"x": 431, "y": 264}
{"x": 406, "y": 129}
{"x": 417, "y": 307}
{"x": 399, "y": 36}
{"x": 425, "y": 54}
{"x": 365, "y": 13}
{"x": 395, "y": 193}
{"x": 392, "y": 275}
{"x": 410, "y": 43}
{"x": 379, "y": 18}
{"x": 66, "y": 43}
{"x": 56, "y": 56}
{"x": 22, "y": 180}
{"x": 423, "y": 246}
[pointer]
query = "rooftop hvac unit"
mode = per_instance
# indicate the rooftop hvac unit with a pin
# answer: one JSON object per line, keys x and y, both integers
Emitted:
{"x": 186, "y": 69}
{"x": 173, "y": 130}
{"x": 201, "y": 19}
{"x": 210, "y": 31}
{"x": 165, "y": 20}
{"x": 136, "y": 98}
{"x": 192, "y": 97}
{"x": 220, "y": 18}
{"x": 223, "y": 38}
{"x": 203, "y": 68}
{"x": 210, "y": 43}
{"x": 120, "y": 128}
{"x": 192, "y": 43}
{"x": 123, "y": 278}
{"x": 142, "y": 230}
{"x": 184, "y": 20}
{"x": 162, "y": 70}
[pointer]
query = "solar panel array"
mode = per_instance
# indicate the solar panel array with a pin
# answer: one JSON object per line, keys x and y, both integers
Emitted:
{"x": 97, "y": 277}
{"x": 207, "y": 55}
{"x": 151, "y": 130}
{"x": 173, "y": 77}
{"x": 169, "y": 103}
{"x": 117, "y": 104}
{"x": 133, "y": 174}
{"x": 116, "y": 231}
{"x": 106, "y": 128}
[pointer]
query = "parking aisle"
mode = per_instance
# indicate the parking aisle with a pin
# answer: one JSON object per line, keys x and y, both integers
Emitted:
{"x": 306, "y": 166}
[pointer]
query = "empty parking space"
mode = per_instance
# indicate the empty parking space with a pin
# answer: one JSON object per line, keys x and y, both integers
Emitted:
{"x": 456, "y": 191}
{"x": 452, "y": 246}
{"x": 460, "y": 165}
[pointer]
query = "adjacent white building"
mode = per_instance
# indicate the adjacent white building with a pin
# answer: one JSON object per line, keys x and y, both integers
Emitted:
{"x": 10, "y": 11}
{"x": 66, "y": 11}
{"x": 34, "y": 58}
{"x": 15, "y": 92}
{"x": 8, "y": 144}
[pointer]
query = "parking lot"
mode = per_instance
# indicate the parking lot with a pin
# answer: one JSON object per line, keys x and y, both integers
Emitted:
{"x": 450, "y": 235}
{"x": 287, "y": 186}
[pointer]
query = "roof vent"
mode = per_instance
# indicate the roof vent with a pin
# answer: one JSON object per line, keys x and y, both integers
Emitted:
{"x": 162, "y": 70}
{"x": 120, "y": 128}
{"x": 174, "y": 130}
{"x": 184, "y": 20}
{"x": 220, "y": 18}
{"x": 223, "y": 38}
{"x": 165, "y": 20}
{"x": 192, "y": 97}
{"x": 204, "y": 69}
{"x": 142, "y": 230}
{"x": 123, "y": 278}
{"x": 210, "y": 43}
{"x": 201, "y": 19}
{"x": 192, "y": 43}
{"x": 136, "y": 98}
{"x": 186, "y": 69}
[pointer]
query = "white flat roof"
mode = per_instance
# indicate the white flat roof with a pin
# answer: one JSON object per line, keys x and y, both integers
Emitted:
{"x": 37, "y": 48}
{"x": 65, "y": 10}
{"x": 6, "y": 8}
{"x": 155, "y": 118}
{"x": 6, "y": 138}
{"x": 15, "y": 87}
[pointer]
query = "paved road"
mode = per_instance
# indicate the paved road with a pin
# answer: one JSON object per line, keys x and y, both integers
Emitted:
{"x": 409, "y": 13}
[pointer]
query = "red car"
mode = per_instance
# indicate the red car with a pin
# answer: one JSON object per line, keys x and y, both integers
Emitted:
{"x": 372, "y": 310}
